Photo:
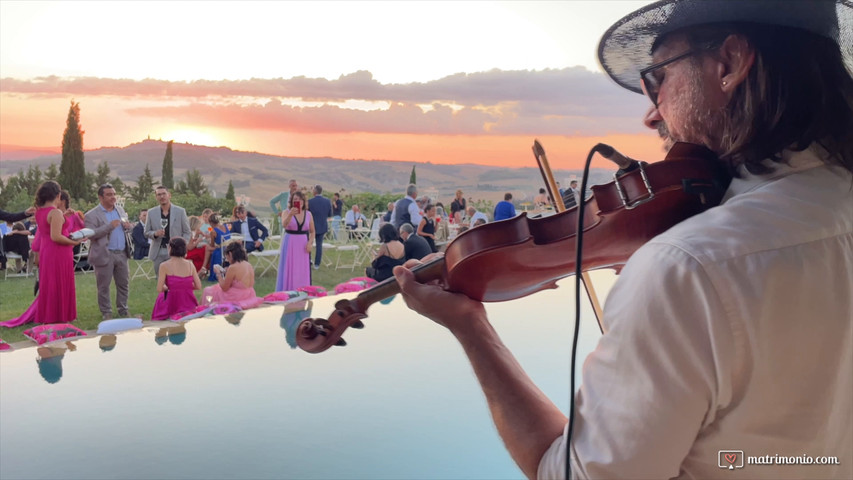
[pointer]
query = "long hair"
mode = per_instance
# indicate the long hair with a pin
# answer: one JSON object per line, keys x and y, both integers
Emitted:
{"x": 798, "y": 92}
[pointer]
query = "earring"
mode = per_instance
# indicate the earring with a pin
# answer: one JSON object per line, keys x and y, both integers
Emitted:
{"x": 725, "y": 83}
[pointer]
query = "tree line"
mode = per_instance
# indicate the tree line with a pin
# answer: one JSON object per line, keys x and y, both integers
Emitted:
{"x": 18, "y": 192}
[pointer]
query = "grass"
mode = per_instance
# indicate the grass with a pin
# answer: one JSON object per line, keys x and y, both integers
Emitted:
{"x": 16, "y": 294}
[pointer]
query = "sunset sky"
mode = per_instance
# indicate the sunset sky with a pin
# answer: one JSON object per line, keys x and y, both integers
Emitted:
{"x": 444, "y": 82}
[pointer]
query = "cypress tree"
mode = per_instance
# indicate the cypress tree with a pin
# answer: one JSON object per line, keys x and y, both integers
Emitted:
{"x": 229, "y": 195}
{"x": 168, "y": 178}
{"x": 413, "y": 179}
{"x": 72, "y": 170}
{"x": 144, "y": 186}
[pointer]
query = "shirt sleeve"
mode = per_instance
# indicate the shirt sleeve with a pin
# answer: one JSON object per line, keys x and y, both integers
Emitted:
{"x": 653, "y": 381}
{"x": 415, "y": 213}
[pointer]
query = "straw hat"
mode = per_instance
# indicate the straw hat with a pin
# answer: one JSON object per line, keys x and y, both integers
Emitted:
{"x": 626, "y": 47}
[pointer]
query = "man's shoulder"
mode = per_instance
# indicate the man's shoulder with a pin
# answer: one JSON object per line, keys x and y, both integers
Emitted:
{"x": 92, "y": 211}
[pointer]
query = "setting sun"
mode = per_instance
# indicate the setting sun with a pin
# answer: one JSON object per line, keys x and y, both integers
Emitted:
{"x": 193, "y": 136}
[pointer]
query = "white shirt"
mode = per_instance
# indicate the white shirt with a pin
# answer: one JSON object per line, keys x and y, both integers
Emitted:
{"x": 415, "y": 213}
{"x": 351, "y": 218}
{"x": 731, "y": 331}
{"x": 477, "y": 216}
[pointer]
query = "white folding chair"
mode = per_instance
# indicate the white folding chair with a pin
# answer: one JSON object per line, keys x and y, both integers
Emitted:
{"x": 267, "y": 260}
{"x": 83, "y": 254}
{"x": 11, "y": 259}
{"x": 144, "y": 269}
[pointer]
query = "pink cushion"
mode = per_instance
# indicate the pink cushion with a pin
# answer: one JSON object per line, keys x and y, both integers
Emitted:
{"x": 55, "y": 331}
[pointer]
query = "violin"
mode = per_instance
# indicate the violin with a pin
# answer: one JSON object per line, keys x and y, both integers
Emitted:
{"x": 513, "y": 258}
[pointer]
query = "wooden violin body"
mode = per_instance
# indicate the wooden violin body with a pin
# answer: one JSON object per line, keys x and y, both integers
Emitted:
{"x": 516, "y": 257}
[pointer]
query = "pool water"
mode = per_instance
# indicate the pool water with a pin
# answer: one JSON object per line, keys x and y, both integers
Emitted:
{"x": 231, "y": 397}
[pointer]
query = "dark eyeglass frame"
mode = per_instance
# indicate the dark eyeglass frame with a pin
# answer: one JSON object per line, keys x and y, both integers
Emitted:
{"x": 651, "y": 84}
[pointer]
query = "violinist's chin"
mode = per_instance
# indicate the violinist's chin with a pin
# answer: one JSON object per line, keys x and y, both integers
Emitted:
{"x": 663, "y": 133}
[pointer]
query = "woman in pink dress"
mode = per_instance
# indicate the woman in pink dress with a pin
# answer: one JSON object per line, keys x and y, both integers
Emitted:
{"x": 57, "y": 300}
{"x": 73, "y": 222}
{"x": 176, "y": 282}
{"x": 295, "y": 268}
{"x": 237, "y": 284}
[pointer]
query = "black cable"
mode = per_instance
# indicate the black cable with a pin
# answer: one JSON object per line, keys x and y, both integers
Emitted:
{"x": 578, "y": 270}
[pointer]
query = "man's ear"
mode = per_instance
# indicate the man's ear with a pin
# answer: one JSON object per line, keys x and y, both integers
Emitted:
{"x": 736, "y": 56}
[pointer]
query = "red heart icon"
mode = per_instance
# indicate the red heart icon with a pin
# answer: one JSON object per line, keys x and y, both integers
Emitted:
{"x": 731, "y": 457}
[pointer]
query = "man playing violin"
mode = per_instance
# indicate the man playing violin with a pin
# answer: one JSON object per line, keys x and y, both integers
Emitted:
{"x": 732, "y": 332}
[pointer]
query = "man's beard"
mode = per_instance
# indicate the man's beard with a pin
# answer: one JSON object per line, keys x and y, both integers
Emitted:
{"x": 700, "y": 123}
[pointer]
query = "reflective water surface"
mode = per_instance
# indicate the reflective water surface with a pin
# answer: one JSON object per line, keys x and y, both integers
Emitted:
{"x": 231, "y": 397}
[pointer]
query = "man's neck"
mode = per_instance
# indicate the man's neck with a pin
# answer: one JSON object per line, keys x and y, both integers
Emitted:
{"x": 165, "y": 208}
{"x": 107, "y": 207}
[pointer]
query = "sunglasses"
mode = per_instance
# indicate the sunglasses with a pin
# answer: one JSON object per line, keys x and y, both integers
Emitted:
{"x": 652, "y": 83}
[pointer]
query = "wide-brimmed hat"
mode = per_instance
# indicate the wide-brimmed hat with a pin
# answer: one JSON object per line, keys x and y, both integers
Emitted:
{"x": 626, "y": 47}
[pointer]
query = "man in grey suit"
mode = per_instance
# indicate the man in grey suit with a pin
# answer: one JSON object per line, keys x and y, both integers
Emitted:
{"x": 109, "y": 251}
{"x": 164, "y": 223}
{"x": 321, "y": 209}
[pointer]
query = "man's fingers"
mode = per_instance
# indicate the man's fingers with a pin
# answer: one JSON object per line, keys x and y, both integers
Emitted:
{"x": 411, "y": 263}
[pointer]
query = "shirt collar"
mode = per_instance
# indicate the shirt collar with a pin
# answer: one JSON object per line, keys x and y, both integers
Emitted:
{"x": 792, "y": 162}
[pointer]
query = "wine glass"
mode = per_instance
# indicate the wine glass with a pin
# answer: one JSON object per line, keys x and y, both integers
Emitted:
{"x": 164, "y": 222}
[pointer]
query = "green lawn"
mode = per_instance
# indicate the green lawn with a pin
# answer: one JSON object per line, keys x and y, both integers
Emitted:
{"x": 16, "y": 294}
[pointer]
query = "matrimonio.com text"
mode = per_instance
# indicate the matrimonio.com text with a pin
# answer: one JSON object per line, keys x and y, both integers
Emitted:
{"x": 734, "y": 459}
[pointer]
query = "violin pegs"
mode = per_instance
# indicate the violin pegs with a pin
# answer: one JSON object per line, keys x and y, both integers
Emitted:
{"x": 357, "y": 324}
{"x": 341, "y": 343}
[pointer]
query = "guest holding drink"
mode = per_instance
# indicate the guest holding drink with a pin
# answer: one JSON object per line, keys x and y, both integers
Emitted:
{"x": 175, "y": 282}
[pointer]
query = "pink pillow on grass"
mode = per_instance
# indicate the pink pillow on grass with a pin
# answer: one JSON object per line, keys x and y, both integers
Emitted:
{"x": 51, "y": 332}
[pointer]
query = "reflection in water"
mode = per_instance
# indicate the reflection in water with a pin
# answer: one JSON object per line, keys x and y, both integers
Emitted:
{"x": 234, "y": 318}
{"x": 293, "y": 314}
{"x": 107, "y": 342}
{"x": 174, "y": 335}
{"x": 50, "y": 361}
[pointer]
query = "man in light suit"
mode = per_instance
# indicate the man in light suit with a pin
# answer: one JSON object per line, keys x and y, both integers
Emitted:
{"x": 321, "y": 209}
{"x": 177, "y": 225}
{"x": 253, "y": 232}
{"x": 109, "y": 251}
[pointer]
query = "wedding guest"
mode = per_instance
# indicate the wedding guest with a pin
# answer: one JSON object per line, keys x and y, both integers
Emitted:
{"x": 294, "y": 268}
{"x": 18, "y": 241}
{"x": 541, "y": 201}
{"x": 16, "y": 217}
{"x": 197, "y": 249}
{"x": 474, "y": 216}
{"x": 253, "y": 231}
{"x": 109, "y": 251}
{"x": 281, "y": 202}
{"x": 416, "y": 247}
{"x": 176, "y": 282}
{"x": 321, "y": 209}
{"x": 458, "y": 207}
{"x": 387, "y": 217}
{"x": 164, "y": 222}
{"x": 505, "y": 209}
{"x": 140, "y": 242}
{"x": 236, "y": 284}
{"x": 391, "y": 253}
{"x": 406, "y": 209}
{"x": 218, "y": 234}
{"x": 337, "y": 211}
{"x": 353, "y": 216}
{"x": 426, "y": 228}
{"x": 57, "y": 300}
